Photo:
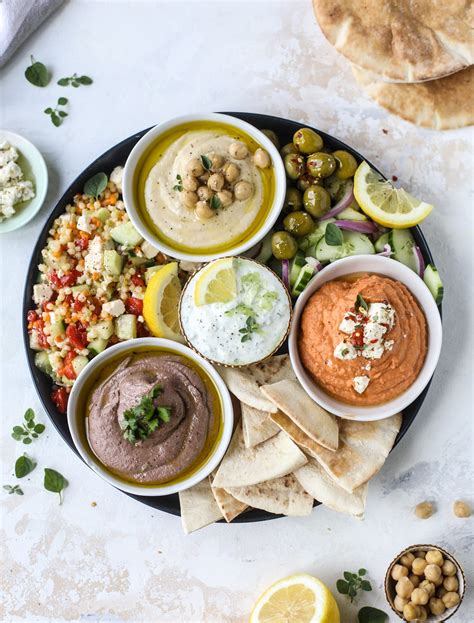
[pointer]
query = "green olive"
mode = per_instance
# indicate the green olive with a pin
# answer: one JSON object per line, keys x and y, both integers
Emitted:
{"x": 317, "y": 201}
{"x": 306, "y": 180}
{"x": 294, "y": 165}
{"x": 284, "y": 246}
{"x": 273, "y": 137}
{"x": 298, "y": 223}
{"x": 320, "y": 164}
{"x": 293, "y": 199}
{"x": 346, "y": 164}
{"x": 289, "y": 148}
{"x": 307, "y": 141}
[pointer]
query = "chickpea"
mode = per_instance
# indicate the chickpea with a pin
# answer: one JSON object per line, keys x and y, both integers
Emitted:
{"x": 231, "y": 172}
{"x": 204, "y": 178}
{"x": 400, "y": 603}
{"x": 243, "y": 190}
{"x": 216, "y": 161}
{"x": 422, "y": 613}
{"x": 404, "y": 587}
{"x": 261, "y": 159}
{"x": 204, "y": 193}
{"x": 448, "y": 568}
{"x": 238, "y": 151}
{"x": 450, "y": 600}
{"x": 434, "y": 557}
{"x": 225, "y": 197}
{"x": 407, "y": 559}
{"x": 432, "y": 573}
{"x": 216, "y": 182}
{"x": 190, "y": 183}
{"x": 439, "y": 581}
{"x": 414, "y": 579}
{"x": 451, "y": 583}
{"x": 418, "y": 566}
{"x": 420, "y": 553}
{"x": 399, "y": 571}
{"x": 194, "y": 168}
{"x": 440, "y": 591}
{"x": 437, "y": 606}
{"x": 461, "y": 509}
{"x": 424, "y": 510}
{"x": 410, "y": 612}
{"x": 203, "y": 210}
{"x": 429, "y": 587}
{"x": 189, "y": 198}
{"x": 419, "y": 597}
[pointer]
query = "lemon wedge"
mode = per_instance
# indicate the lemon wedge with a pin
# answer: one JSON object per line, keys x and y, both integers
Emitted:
{"x": 385, "y": 204}
{"x": 299, "y": 598}
{"x": 160, "y": 303}
{"x": 216, "y": 283}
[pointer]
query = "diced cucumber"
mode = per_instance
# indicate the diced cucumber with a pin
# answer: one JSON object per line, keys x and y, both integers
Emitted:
{"x": 434, "y": 283}
{"x": 266, "y": 251}
{"x": 97, "y": 345}
{"x": 126, "y": 327}
{"x": 312, "y": 239}
{"x": 296, "y": 265}
{"x": 302, "y": 280}
{"x": 403, "y": 243}
{"x": 79, "y": 363}
{"x": 349, "y": 214}
{"x": 42, "y": 363}
{"x": 138, "y": 261}
{"x": 112, "y": 262}
{"x": 353, "y": 244}
{"x": 80, "y": 289}
{"x": 58, "y": 328}
{"x": 381, "y": 242}
{"x": 34, "y": 342}
{"x": 102, "y": 214}
{"x": 150, "y": 271}
{"x": 103, "y": 330}
{"x": 126, "y": 234}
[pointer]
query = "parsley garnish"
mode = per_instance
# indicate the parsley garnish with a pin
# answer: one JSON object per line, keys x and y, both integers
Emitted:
{"x": 360, "y": 302}
{"x": 251, "y": 326}
{"x": 140, "y": 421}
{"x": 179, "y": 183}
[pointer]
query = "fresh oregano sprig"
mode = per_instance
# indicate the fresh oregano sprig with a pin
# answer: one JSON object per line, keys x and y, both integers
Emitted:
{"x": 251, "y": 326}
{"x": 333, "y": 235}
{"x": 30, "y": 429}
{"x": 353, "y": 583}
{"x": 56, "y": 114}
{"x": 179, "y": 183}
{"x": 24, "y": 465}
{"x": 75, "y": 81}
{"x": 54, "y": 482}
{"x": 96, "y": 185}
{"x": 13, "y": 489}
{"x": 37, "y": 73}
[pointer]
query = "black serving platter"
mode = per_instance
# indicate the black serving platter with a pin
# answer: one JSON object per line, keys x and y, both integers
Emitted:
{"x": 115, "y": 156}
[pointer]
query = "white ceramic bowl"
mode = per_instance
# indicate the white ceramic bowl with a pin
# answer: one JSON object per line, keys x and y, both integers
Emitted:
{"x": 34, "y": 168}
{"x": 389, "y": 268}
{"x": 152, "y": 136}
{"x": 76, "y": 420}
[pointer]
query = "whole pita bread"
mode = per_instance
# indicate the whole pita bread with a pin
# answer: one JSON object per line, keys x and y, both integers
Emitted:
{"x": 402, "y": 40}
{"x": 198, "y": 507}
{"x": 442, "y": 104}
{"x": 295, "y": 433}
{"x": 282, "y": 496}
{"x": 312, "y": 419}
{"x": 242, "y": 467}
{"x": 245, "y": 382}
{"x": 229, "y": 506}
{"x": 323, "y": 488}
{"x": 363, "y": 449}
{"x": 256, "y": 425}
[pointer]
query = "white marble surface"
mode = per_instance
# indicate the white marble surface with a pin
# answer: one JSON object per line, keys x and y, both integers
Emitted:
{"x": 119, "y": 560}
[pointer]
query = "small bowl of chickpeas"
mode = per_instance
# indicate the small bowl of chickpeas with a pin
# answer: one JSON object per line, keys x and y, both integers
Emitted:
{"x": 424, "y": 583}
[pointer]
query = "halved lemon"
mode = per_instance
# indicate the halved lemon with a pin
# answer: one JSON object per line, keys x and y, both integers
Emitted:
{"x": 385, "y": 204}
{"x": 160, "y": 303}
{"x": 216, "y": 283}
{"x": 300, "y": 598}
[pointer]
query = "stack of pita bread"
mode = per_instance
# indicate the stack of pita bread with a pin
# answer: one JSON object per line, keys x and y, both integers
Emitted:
{"x": 286, "y": 452}
{"x": 413, "y": 58}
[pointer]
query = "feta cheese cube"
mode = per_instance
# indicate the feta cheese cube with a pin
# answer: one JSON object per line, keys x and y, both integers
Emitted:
{"x": 83, "y": 223}
{"x": 382, "y": 313}
{"x": 116, "y": 177}
{"x": 42, "y": 292}
{"x": 93, "y": 261}
{"x": 373, "y": 331}
{"x": 114, "y": 308}
{"x": 7, "y": 154}
{"x": 347, "y": 325}
{"x": 11, "y": 171}
{"x": 149, "y": 250}
{"x": 345, "y": 351}
{"x": 373, "y": 351}
{"x": 360, "y": 383}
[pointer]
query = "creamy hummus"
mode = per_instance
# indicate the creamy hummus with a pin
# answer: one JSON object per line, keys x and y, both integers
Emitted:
{"x": 172, "y": 447}
{"x": 178, "y": 224}
{"x": 390, "y": 346}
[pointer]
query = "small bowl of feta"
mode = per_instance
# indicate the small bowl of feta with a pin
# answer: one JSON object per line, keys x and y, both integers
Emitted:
{"x": 235, "y": 312}
{"x": 23, "y": 181}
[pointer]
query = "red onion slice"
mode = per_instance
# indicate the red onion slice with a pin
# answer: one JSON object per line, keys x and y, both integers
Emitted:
{"x": 363, "y": 227}
{"x": 313, "y": 262}
{"x": 341, "y": 205}
{"x": 420, "y": 261}
{"x": 285, "y": 273}
{"x": 387, "y": 251}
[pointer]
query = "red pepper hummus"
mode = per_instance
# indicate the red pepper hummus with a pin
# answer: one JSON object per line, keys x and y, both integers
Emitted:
{"x": 363, "y": 339}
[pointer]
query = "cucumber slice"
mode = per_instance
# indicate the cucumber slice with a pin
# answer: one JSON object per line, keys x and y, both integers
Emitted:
{"x": 42, "y": 363}
{"x": 150, "y": 271}
{"x": 34, "y": 342}
{"x": 79, "y": 363}
{"x": 381, "y": 242}
{"x": 103, "y": 330}
{"x": 354, "y": 244}
{"x": 266, "y": 250}
{"x": 58, "y": 328}
{"x": 112, "y": 263}
{"x": 434, "y": 283}
{"x": 296, "y": 265}
{"x": 349, "y": 214}
{"x": 302, "y": 280}
{"x": 126, "y": 327}
{"x": 126, "y": 234}
{"x": 81, "y": 288}
{"x": 102, "y": 214}
{"x": 403, "y": 243}
{"x": 97, "y": 346}
{"x": 312, "y": 239}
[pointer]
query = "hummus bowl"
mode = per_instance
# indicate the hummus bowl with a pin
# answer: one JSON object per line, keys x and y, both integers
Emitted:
{"x": 200, "y": 187}
{"x": 192, "y": 416}
{"x": 416, "y": 354}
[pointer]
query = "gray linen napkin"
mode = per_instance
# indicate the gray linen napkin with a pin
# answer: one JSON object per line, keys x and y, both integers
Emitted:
{"x": 18, "y": 19}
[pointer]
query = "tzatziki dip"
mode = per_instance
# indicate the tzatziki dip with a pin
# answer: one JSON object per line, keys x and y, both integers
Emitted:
{"x": 252, "y": 322}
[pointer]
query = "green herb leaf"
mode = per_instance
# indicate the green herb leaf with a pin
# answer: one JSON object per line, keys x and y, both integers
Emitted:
{"x": 18, "y": 430}
{"x": 62, "y": 101}
{"x": 333, "y": 235}
{"x": 360, "y": 302}
{"x": 352, "y": 583}
{"x": 140, "y": 421}
{"x": 48, "y": 111}
{"x": 54, "y": 482}
{"x": 39, "y": 428}
{"x": 56, "y": 120}
{"x": 23, "y": 466}
{"x": 29, "y": 415}
{"x": 371, "y": 615}
{"x": 348, "y": 576}
{"x": 362, "y": 571}
{"x": 206, "y": 163}
{"x": 241, "y": 308}
{"x": 37, "y": 73}
{"x": 96, "y": 185}
{"x": 63, "y": 82}
{"x": 15, "y": 489}
{"x": 27, "y": 440}
{"x": 365, "y": 585}
{"x": 75, "y": 84}
{"x": 215, "y": 202}
{"x": 85, "y": 80}
{"x": 342, "y": 587}
{"x": 61, "y": 113}
{"x": 251, "y": 326}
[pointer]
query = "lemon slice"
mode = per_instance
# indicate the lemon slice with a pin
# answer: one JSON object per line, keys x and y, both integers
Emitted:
{"x": 160, "y": 303}
{"x": 216, "y": 283}
{"x": 385, "y": 204}
{"x": 299, "y": 598}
